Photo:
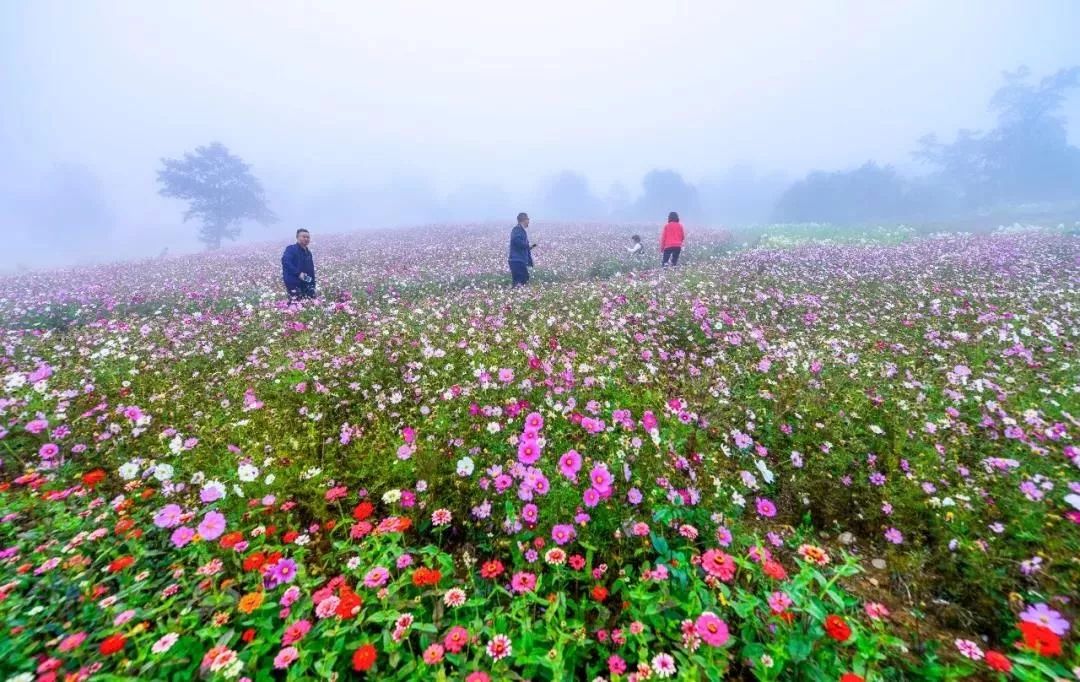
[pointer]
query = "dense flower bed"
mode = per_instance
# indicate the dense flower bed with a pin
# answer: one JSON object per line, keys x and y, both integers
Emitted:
{"x": 827, "y": 462}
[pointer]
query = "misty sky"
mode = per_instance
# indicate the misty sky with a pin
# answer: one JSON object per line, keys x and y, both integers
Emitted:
{"x": 457, "y": 92}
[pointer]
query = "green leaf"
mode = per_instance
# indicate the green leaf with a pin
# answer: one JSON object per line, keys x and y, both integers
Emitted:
{"x": 799, "y": 648}
{"x": 660, "y": 544}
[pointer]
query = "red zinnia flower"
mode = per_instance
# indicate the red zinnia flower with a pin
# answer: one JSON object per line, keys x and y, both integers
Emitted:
{"x": 1040, "y": 639}
{"x": 851, "y": 677}
{"x": 774, "y": 570}
{"x": 491, "y": 569}
{"x": 997, "y": 661}
{"x": 254, "y": 561}
{"x": 230, "y": 540}
{"x": 426, "y": 576}
{"x": 349, "y": 604}
{"x": 837, "y": 628}
{"x": 599, "y": 593}
{"x": 363, "y": 510}
{"x": 363, "y": 658}
{"x": 120, "y": 564}
{"x": 248, "y": 635}
{"x": 112, "y": 644}
{"x": 92, "y": 478}
{"x": 288, "y": 537}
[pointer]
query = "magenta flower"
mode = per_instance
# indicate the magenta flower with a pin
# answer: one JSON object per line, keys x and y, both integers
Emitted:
{"x": 523, "y": 582}
{"x": 563, "y": 533}
{"x": 591, "y": 497}
{"x": 295, "y": 632}
{"x": 285, "y": 657}
{"x": 1041, "y": 614}
{"x": 779, "y": 602}
{"x": 528, "y": 452}
{"x": 376, "y": 577}
{"x": 168, "y": 516}
{"x": 49, "y": 450}
{"x": 894, "y": 536}
{"x": 600, "y": 478}
{"x": 711, "y": 629}
{"x": 570, "y": 464}
{"x": 284, "y": 571}
{"x": 530, "y": 513}
{"x": 212, "y": 526}
{"x": 181, "y": 536}
{"x": 765, "y": 507}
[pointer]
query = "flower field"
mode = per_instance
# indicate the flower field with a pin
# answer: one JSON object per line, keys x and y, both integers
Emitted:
{"x": 824, "y": 462}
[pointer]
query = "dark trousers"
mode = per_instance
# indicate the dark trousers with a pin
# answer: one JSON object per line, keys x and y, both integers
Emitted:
{"x": 305, "y": 290}
{"x": 672, "y": 252}
{"x": 519, "y": 274}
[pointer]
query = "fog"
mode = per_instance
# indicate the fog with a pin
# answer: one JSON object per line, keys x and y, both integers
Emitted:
{"x": 364, "y": 115}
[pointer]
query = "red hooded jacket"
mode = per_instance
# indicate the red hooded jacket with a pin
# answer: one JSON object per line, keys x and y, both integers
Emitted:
{"x": 672, "y": 236}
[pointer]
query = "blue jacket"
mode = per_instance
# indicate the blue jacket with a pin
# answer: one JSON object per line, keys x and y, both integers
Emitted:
{"x": 294, "y": 261}
{"x": 520, "y": 252}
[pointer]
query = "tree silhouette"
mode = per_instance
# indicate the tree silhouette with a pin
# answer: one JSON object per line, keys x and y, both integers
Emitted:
{"x": 220, "y": 191}
{"x": 666, "y": 191}
{"x": 568, "y": 197}
{"x": 1027, "y": 157}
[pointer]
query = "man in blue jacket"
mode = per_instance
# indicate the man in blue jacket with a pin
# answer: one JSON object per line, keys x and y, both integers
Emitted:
{"x": 520, "y": 252}
{"x": 298, "y": 267}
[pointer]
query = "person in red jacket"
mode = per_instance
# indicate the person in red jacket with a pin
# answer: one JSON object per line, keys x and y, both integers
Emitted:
{"x": 671, "y": 240}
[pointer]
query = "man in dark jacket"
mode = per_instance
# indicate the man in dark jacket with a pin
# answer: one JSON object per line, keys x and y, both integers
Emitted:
{"x": 298, "y": 267}
{"x": 520, "y": 252}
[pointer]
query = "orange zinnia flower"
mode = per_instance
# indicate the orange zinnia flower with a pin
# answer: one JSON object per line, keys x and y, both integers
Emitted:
{"x": 251, "y": 601}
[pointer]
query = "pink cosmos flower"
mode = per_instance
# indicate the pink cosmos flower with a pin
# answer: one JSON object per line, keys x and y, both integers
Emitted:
{"x": 563, "y": 533}
{"x": 530, "y": 513}
{"x": 528, "y": 452}
{"x": 212, "y": 526}
{"x": 765, "y": 507}
{"x": 570, "y": 464}
{"x": 168, "y": 516}
{"x": 1043, "y": 615}
{"x": 181, "y": 536}
{"x": 600, "y": 478}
